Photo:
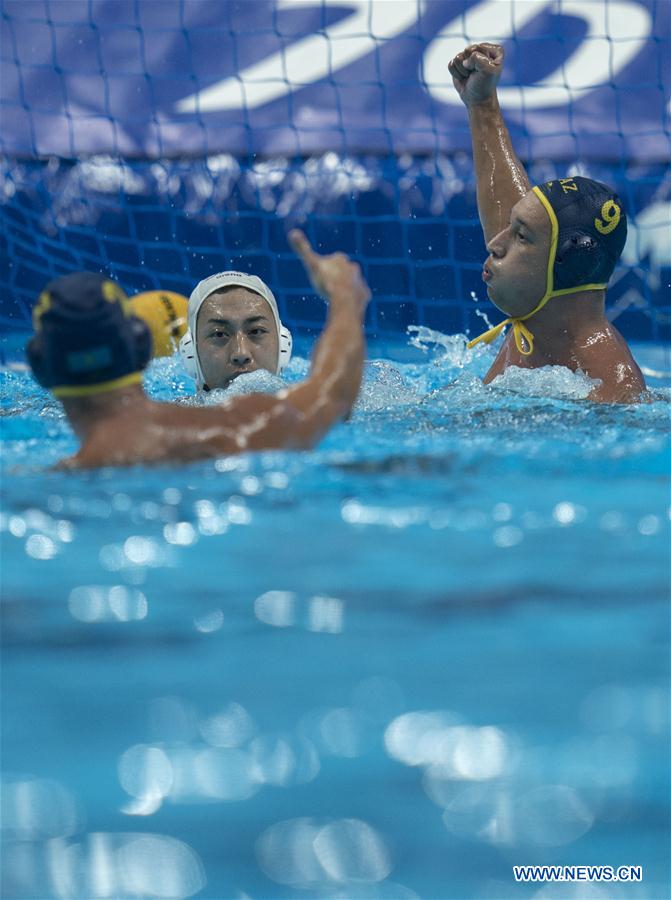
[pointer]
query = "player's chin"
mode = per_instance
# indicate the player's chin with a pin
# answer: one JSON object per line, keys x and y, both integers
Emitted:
{"x": 499, "y": 301}
{"x": 494, "y": 295}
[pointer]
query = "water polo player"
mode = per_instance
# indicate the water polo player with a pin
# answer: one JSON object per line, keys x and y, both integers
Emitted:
{"x": 552, "y": 249}
{"x": 233, "y": 327}
{"x": 90, "y": 350}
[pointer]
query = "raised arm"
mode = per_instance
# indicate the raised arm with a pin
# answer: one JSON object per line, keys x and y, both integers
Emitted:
{"x": 500, "y": 176}
{"x": 329, "y": 392}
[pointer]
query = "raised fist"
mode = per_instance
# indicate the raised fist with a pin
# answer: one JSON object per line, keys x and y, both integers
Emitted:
{"x": 476, "y": 72}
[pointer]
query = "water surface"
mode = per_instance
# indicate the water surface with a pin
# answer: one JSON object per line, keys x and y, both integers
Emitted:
{"x": 434, "y": 647}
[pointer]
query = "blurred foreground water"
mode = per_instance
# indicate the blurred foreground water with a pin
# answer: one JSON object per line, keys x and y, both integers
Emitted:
{"x": 435, "y": 647}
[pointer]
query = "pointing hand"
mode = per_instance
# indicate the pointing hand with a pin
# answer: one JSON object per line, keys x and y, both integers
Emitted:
{"x": 334, "y": 276}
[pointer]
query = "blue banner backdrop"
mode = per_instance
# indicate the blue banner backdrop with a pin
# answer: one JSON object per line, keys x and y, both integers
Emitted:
{"x": 584, "y": 80}
{"x": 162, "y": 140}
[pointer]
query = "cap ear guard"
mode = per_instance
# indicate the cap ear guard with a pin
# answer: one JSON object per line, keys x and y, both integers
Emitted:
{"x": 286, "y": 346}
{"x": 580, "y": 260}
{"x": 187, "y": 353}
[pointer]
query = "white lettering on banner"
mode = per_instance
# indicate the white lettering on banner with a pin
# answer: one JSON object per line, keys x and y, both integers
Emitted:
{"x": 310, "y": 59}
{"x": 649, "y": 235}
{"x": 617, "y": 31}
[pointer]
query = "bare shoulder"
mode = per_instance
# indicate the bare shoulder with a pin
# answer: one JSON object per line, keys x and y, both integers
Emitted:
{"x": 610, "y": 360}
{"x": 603, "y": 356}
{"x": 508, "y": 355}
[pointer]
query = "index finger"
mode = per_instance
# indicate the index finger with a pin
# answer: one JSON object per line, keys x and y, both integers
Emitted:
{"x": 301, "y": 246}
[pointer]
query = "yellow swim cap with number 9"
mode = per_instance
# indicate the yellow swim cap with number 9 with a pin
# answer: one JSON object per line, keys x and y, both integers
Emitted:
{"x": 165, "y": 312}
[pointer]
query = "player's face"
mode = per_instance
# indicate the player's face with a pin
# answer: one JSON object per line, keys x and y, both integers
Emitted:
{"x": 235, "y": 333}
{"x": 516, "y": 269}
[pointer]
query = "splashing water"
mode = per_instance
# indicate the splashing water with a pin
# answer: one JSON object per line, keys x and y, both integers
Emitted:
{"x": 436, "y": 617}
{"x": 548, "y": 381}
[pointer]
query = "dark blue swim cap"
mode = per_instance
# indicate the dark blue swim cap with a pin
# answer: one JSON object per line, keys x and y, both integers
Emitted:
{"x": 589, "y": 231}
{"x": 86, "y": 339}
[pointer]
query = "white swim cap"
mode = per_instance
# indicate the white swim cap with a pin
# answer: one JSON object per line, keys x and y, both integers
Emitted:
{"x": 188, "y": 348}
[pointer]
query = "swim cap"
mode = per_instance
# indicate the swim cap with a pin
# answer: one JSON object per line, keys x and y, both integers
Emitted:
{"x": 589, "y": 231}
{"x": 165, "y": 314}
{"x": 86, "y": 339}
{"x": 187, "y": 346}
{"x": 588, "y": 234}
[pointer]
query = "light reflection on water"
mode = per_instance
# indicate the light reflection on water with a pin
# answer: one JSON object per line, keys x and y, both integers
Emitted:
{"x": 101, "y": 865}
{"x": 306, "y": 854}
{"x": 393, "y": 667}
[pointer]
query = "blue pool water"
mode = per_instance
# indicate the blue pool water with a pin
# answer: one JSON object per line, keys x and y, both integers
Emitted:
{"x": 394, "y": 667}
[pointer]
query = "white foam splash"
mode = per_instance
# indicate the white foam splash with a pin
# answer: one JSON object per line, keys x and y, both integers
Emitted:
{"x": 383, "y": 386}
{"x": 454, "y": 345}
{"x": 548, "y": 381}
{"x": 259, "y": 382}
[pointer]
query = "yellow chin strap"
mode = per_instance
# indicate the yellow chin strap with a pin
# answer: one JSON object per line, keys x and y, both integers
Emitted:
{"x": 524, "y": 339}
{"x": 88, "y": 390}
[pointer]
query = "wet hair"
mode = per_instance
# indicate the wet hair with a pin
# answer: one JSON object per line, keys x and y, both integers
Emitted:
{"x": 86, "y": 338}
